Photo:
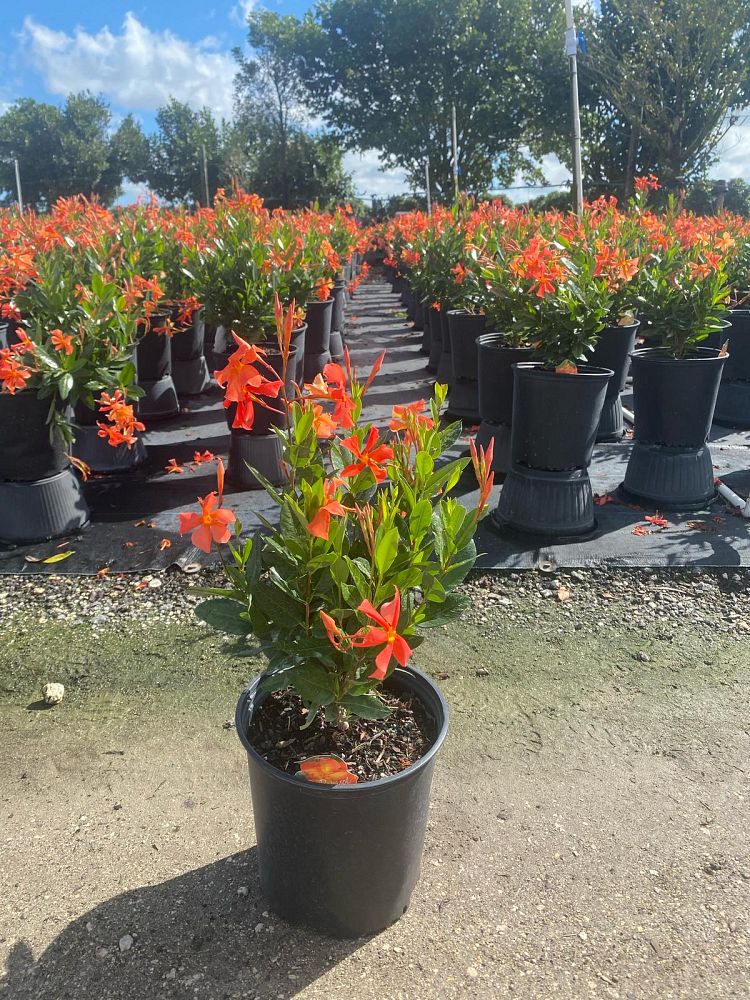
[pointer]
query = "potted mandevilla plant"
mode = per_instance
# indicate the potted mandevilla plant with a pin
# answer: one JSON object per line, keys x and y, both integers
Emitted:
{"x": 560, "y": 301}
{"x": 74, "y": 341}
{"x": 341, "y": 731}
{"x": 683, "y": 293}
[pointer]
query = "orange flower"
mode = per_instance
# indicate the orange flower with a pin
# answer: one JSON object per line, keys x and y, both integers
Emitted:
{"x": 201, "y": 459}
{"x": 331, "y": 385}
{"x": 61, "y": 342}
{"x": 408, "y": 417}
{"x": 13, "y": 374}
{"x": 239, "y": 371}
{"x": 122, "y": 423}
{"x": 384, "y": 631}
{"x": 211, "y": 525}
{"x": 321, "y": 522}
{"x": 172, "y": 466}
{"x": 327, "y": 771}
{"x": 323, "y": 289}
{"x": 369, "y": 455}
{"x": 324, "y": 424}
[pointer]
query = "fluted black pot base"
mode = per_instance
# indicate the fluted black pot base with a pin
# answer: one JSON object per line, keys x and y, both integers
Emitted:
{"x": 102, "y": 457}
{"x": 733, "y": 405}
{"x": 159, "y": 401}
{"x": 670, "y": 478}
{"x": 315, "y": 363}
{"x": 248, "y": 451}
{"x": 337, "y": 346}
{"x": 191, "y": 378}
{"x": 552, "y": 505}
{"x": 501, "y": 453}
{"x": 612, "y": 421}
{"x": 38, "y": 511}
{"x": 463, "y": 401}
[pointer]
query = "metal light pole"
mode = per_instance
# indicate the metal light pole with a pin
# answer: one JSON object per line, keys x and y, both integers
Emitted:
{"x": 427, "y": 184}
{"x": 571, "y": 51}
{"x": 205, "y": 177}
{"x": 18, "y": 187}
{"x": 455, "y": 152}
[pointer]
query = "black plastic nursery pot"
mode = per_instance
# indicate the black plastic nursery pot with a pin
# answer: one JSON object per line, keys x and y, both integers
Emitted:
{"x": 547, "y": 491}
{"x": 424, "y": 347}
{"x": 318, "y": 338}
{"x": 339, "y": 304}
{"x": 418, "y": 315}
{"x": 613, "y": 349}
{"x": 444, "y": 373}
{"x": 436, "y": 339}
{"x": 336, "y": 343}
{"x": 495, "y": 361}
{"x": 189, "y": 366}
{"x": 8, "y": 335}
{"x": 40, "y": 495}
{"x": 733, "y": 401}
{"x": 153, "y": 359}
{"x": 463, "y": 397}
{"x": 94, "y": 450}
{"x": 670, "y": 465}
{"x": 342, "y": 859}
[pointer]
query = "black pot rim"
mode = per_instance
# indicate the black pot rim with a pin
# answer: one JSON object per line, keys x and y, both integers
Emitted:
{"x": 660, "y": 355}
{"x": 498, "y": 341}
{"x": 319, "y": 302}
{"x": 540, "y": 369}
{"x": 361, "y": 787}
{"x": 624, "y": 328}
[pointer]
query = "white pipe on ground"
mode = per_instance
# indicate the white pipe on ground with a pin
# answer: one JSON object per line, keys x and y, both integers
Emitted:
{"x": 732, "y": 498}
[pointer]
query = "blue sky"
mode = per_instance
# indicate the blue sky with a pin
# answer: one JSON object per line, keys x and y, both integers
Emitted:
{"x": 138, "y": 55}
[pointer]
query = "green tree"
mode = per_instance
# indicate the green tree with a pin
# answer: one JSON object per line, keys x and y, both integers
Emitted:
{"x": 60, "y": 151}
{"x": 660, "y": 82}
{"x": 271, "y": 151}
{"x": 175, "y": 162}
{"x": 384, "y": 74}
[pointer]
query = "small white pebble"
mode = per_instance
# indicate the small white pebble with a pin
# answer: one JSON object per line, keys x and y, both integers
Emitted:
{"x": 472, "y": 972}
{"x": 259, "y": 928}
{"x": 126, "y": 942}
{"x": 53, "y": 694}
{"x": 243, "y": 890}
{"x": 583, "y": 935}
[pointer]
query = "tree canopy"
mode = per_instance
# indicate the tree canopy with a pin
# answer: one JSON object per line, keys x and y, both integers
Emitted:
{"x": 385, "y": 74}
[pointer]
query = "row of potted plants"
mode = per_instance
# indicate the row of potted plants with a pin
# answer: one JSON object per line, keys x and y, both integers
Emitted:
{"x": 102, "y": 323}
{"x": 544, "y": 311}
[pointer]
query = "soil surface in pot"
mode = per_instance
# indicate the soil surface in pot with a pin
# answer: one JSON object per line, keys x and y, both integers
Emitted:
{"x": 371, "y": 748}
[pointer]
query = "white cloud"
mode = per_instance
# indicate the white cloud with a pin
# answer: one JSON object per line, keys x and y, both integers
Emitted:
{"x": 133, "y": 192}
{"x": 138, "y": 69}
{"x": 239, "y": 12}
{"x": 369, "y": 179}
{"x": 734, "y": 151}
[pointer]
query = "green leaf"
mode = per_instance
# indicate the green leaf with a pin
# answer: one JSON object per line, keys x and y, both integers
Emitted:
{"x": 386, "y": 549}
{"x": 314, "y": 684}
{"x": 419, "y": 520}
{"x": 65, "y": 385}
{"x": 224, "y": 615}
{"x": 450, "y": 435}
{"x": 364, "y": 706}
{"x": 451, "y": 608}
{"x": 59, "y": 556}
{"x": 425, "y": 464}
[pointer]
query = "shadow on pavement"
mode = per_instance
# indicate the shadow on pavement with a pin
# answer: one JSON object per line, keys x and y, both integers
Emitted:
{"x": 194, "y": 936}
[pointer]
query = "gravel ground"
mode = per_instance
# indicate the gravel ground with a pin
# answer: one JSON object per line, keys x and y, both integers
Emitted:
{"x": 625, "y": 597}
{"x": 587, "y": 836}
